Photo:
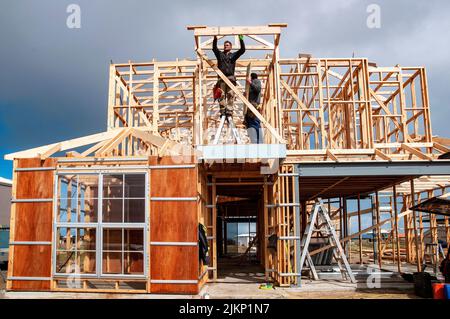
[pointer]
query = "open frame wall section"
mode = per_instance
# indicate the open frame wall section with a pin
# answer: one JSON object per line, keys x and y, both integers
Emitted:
{"x": 419, "y": 229}
{"x": 399, "y": 233}
{"x": 348, "y": 109}
{"x": 282, "y": 220}
{"x": 157, "y": 95}
{"x": 209, "y": 111}
{"x": 400, "y": 109}
{"x": 325, "y": 104}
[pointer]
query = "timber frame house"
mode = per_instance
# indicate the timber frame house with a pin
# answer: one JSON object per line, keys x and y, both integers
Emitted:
{"x": 123, "y": 205}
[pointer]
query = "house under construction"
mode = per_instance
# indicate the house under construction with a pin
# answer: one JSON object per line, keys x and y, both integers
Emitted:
{"x": 119, "y": 211}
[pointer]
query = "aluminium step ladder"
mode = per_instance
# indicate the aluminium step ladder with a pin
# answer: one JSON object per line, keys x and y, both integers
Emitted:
{"x": 230, "y": 122}
{"x": 320, "y": 218}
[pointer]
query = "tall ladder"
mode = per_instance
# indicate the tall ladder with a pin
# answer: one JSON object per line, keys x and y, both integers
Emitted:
{"x": 320, "y": 218}
{"x": 229, "y": 119}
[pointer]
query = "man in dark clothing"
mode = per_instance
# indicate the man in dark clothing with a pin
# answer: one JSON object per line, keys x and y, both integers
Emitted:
{"x": 251, "y": 121}
{"x": 226, "y": 62}
{"x": 445, "y": 267}
{"x": 203, "y": 244}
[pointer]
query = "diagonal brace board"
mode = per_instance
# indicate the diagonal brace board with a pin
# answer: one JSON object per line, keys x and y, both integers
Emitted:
{"x": 299, "y": 102}
{"x": 242, "y": 97}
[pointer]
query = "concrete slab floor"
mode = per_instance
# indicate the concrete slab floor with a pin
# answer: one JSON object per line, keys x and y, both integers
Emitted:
{"x": 238, "y": 289}
{"x": 312, "y": 289}
{"x": 88, "y": 295}
{"x": 238, "y": 284}
{"x": 231, "y": 291}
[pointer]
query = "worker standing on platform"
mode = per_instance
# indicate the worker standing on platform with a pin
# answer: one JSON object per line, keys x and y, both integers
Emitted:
{"x": 252, "y": 123}
{"x": 226, "y": 62}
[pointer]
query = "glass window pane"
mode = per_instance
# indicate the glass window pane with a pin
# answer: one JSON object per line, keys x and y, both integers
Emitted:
{"x": 112, "y": 210}
{"x": 65, "y": 261}
{"x": 86, "y": 238}
{"x": 123, "y": 202}
{"x": 112, "y": 239}
{"x": 112, "y": 263}
{"x": 112, "y": 186}
{"x": 134, "y": 239}
{"x": 88, "y": 186}
{"x": 62, "y": 210}
{"x": 62, "y": 186}
{"x": 86, "y": 262}
{"x": 135, "y": 185}
{"x": 67, "y": 186}
{"x": 72, "y": 192}
{"x": 133, "y": 263}
{"x": 88, "y": 210}
{"x": 65, "y": 238}
{"x": 134, "y": 211}
{"x": 72, "y": 217}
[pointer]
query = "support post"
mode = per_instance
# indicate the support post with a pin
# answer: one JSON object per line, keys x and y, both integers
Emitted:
{"x": 266, "y": 229}
{"x": 397, "y": 240}
{"x": 214, "y": 228}
{"x": 378, "y": 230}
{"x": 416, "y": 239}
{"x": 297, "y": 225}
{"x": 359, "y": 229}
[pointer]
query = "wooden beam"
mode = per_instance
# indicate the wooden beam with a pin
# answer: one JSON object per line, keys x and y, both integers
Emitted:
{"x": 50, "y": 151}
{"x": 416, "y": 152}
{"x": 397, "y": 239}
{"x": 242, "y": 97}
{"x": 113, "y": 142}
{"x": 316, "y": 251}
{"x": 236, "y": 30}
{"x": 65, "y": 145}
{"x": 441, "y": 147}
{"x": 442, "y": 140}
{"x": 382, "y": 155}
{"x": 299, "y": 102}
{"x": 331, "y": 155}
{"x": 328, "y": 188}
{"x": 93, "y": 148}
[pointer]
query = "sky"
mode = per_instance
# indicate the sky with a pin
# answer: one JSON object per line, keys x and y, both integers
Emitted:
{"x": 54, "y": 80}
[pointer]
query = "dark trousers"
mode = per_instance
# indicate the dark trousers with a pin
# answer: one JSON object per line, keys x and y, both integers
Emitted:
{"x": 255, "y": 134}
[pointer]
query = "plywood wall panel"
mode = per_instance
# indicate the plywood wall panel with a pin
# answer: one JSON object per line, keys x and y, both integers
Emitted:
{"x": 32, "y": 222}
{"x": 174, "y": 221}
{"x": 32, "y": 261}
{"x": 191, "y": 289}
{"x": 176, "y": 263}
{"x": 174, "y": 182}
{"x": 35, "y": 184}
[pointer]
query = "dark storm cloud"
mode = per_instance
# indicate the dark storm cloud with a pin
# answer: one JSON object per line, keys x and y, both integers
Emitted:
{"x": 54, "y": 79}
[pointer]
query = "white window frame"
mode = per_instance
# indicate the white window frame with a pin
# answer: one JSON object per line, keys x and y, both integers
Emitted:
{"x": 99, "y": 225}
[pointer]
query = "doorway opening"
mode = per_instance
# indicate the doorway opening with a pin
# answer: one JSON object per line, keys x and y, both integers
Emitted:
{"x": 240, "y": 235}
